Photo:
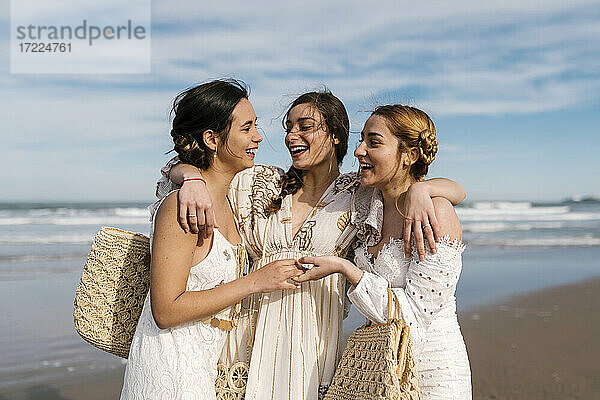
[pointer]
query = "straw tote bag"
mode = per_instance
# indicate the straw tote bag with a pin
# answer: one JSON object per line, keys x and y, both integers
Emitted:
{"x": 377, "y": 363}
{"x": 112, "y": 290}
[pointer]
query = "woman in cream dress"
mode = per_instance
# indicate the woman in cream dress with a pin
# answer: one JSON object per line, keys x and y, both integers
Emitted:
{"x": 399, "y": 143}
{"x": 294, "y": 334}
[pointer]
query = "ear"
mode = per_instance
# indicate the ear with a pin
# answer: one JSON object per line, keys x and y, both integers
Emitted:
{"x": 409, "y": 157}
{"x": 210, "y": 139}
{"x": 336, "y": 140}
{"x": 413, "y": 154}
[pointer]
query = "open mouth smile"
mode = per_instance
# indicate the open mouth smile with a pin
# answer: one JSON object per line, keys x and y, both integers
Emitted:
{"x": 365, "y": 166}
{"x": 297, "y": 150}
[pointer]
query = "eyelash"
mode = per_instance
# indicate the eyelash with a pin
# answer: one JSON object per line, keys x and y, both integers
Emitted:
{"x": 303, "y": 128}
{"x": 371, "y": 143}
{"x": 249, "y": 127}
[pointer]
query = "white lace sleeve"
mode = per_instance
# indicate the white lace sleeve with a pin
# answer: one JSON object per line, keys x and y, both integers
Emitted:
{"x": 164, "y": 186}
{"x": 429, "y": 287}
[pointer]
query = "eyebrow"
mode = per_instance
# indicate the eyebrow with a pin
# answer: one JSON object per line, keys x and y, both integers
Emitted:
{"x": 306, "y": 118}
{"x": 249, "y": 122}
{"x": 302, "y": 119}
{"x": 372, "y": 134}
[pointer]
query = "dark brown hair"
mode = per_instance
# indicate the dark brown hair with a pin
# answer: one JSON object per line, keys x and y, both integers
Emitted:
{"x": 208, "y": 106}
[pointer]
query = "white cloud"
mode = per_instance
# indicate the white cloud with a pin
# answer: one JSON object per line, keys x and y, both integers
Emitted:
{"x": 451, "y": 58}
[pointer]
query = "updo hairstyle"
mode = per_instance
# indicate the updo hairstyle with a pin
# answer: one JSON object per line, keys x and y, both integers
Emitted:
{"x": 208, "y": 106}
{"x": 414, "y": 129}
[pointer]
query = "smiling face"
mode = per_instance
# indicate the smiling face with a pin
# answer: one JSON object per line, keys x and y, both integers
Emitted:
{"x": 308, "y": 139}
{"x": 243, "y": 138}
{"x": 381, "y": 161}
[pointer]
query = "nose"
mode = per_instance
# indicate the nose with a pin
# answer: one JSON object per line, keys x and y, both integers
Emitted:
{"x": 361, "y": 150}
{"x": 257, "y": 137}
{"x": 289, "y": 136}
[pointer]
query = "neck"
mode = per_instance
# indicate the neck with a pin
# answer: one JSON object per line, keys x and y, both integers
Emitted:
{"x": 318, "y": 178}
{"x": 217, "y": 182}
{"x": 394, "y": 192}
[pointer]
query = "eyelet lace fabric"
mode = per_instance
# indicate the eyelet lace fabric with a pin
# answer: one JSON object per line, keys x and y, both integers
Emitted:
{"x": 425, "y": 290}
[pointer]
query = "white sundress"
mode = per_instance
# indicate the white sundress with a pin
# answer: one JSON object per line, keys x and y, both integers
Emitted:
{"x": 425, "y": 290}
{"x": 293, "y": 338}
{"x": 180, "y": 362}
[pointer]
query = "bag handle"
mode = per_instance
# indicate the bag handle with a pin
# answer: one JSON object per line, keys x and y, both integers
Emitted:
{"x": 393, "y": 303}
{"x": 403, "y": 337}
{"x": 403, "y": 350}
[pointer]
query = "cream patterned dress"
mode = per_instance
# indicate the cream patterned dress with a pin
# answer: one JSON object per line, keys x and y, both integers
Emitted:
{"x": 425, "y": 290}
{"x": 294, "y": 337}
{"x": 180, "y": 362}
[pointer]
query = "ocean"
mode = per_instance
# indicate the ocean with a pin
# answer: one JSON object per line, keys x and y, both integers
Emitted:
{"x": 512, "y": 248}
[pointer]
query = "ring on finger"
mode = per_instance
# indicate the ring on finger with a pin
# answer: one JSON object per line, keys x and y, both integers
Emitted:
{"x": 191, "y": 215}
{"x": 426, "y": 226}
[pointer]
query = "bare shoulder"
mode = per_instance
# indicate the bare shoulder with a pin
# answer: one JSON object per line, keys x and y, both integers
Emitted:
{"x": 167, "y": 228}
{"x": 447, "y": 219}
{"x": 167, "y": 211}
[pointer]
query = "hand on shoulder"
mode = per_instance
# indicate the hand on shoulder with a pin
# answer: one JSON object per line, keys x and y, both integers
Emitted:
{"x": 167, "y": 227}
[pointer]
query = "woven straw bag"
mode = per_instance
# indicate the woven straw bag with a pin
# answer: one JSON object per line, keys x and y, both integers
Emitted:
{"x": 377, "y": 363}
{"x": 112, "y": 290}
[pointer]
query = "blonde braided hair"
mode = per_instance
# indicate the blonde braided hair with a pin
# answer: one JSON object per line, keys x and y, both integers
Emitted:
{"x": 414, "y": 129}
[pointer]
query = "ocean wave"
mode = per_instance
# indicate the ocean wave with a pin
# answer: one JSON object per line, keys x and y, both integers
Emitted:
{"x": 132, "y": 212}
{"x": 542, "y": 215}
{"x": 489, "y": 227}
{"x": 556, "y": 241}
{"x": 515, "y": 210}
{"x": 48, "y": 239}
{"x": 502, "y": 205}
{"x": 92, "y": 220}
{"x": 41, "y": 257}
{"x": 43, "y": 212}
{"x": 76, "y": 212}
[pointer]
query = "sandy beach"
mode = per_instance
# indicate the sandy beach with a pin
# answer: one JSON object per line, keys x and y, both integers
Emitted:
{"x": 542, "y": 345}
{"x": 539, "y": 346}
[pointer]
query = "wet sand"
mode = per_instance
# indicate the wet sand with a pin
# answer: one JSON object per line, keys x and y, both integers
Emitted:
{"x": 543, "y": 345}
{"x": 102, "y": 386}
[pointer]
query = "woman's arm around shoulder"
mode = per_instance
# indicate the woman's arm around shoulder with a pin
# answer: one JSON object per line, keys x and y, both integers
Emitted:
{"x": 448, "y": 222}
{"x": 419, "y": 211}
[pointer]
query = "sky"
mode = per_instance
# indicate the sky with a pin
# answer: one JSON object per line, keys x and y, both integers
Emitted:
{"x": 513, "y": 88}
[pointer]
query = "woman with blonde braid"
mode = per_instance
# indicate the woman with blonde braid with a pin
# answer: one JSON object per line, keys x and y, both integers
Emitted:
{"x": 304, "y": 212}
{"x": 398, "y": 145}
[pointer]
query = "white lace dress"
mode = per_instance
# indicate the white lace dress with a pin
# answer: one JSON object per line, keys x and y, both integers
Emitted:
{"x": 180, "y": 362}
{"x": 425, "y": 290}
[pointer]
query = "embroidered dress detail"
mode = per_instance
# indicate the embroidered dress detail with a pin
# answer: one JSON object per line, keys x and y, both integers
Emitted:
{"x": 297, "y": 331}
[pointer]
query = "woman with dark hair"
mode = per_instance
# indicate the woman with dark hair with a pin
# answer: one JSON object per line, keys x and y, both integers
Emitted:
{"x": 195, "y": 280}
{"x": 294, "y": 341}
{"x": 398, "y": 145}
